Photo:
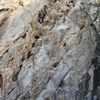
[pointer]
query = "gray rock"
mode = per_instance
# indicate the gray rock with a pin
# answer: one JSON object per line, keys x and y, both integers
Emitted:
{"x": 63, "y": 63}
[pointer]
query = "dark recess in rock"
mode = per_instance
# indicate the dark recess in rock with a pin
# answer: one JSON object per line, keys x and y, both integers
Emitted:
{"x": 26, "y": 47}
{"x": 54, "y": 1}
{"x": 91, "y": 24}
{"x": 20, "y": 66}
{"x": 26, "y": 96}
{"x": 60, "y": 15}
{"x": 7, "y": 51}
{"x": 62, "y": 11}
{"x": 64, "y": 44}
{"x": 3, "y": 21}
{"x": 1, "y": 81}
{"x": 61, "y": 83}
{"x": 96, "y": 79}
{"x": 14, "y": 78}
{"x": 23, "y": 58}
{"x": 83, "y": 87}
{"x": 24, "y": 35}
{"x": 10, "y": 91}
{"x": 76, "y": 95}
{"x": 17, "y": 96}
{"x": 55, "y": 64}
{"x": 82, "y": 27}
{"x": 37, "y": 37}
{"x": 11, "y": 58}
{"x": 29, "y": 54}
{"x": 4, "y": 9}
{"x": 94, "y": 61}
{"x": 33, "y": 44}
{"x": 67, "y": 5}
{"x": 71, "y": 1}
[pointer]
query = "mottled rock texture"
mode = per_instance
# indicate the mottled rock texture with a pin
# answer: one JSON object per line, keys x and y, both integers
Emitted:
{"x": 56, "y": 60}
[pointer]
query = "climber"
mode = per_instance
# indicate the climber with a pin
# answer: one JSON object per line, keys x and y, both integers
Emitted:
{"x": 42, "y": 14}
{"x": 95, "y": 97}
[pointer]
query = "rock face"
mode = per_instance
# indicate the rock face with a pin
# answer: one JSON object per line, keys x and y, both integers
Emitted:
{"x": 56, "y": 60}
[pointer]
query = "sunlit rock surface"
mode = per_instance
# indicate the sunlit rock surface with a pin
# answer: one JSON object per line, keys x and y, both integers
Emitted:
{"x": 56, "y": 60}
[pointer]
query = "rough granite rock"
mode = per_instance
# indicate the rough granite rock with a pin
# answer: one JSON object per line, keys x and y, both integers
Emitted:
{"x": 56, "y": 60}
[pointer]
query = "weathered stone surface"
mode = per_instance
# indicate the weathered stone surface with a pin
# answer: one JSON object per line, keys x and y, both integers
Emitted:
{"x": 56, "y": 60}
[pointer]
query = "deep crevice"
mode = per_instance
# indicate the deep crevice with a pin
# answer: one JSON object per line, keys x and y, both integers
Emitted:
{"x": 83, "y": 87}
{"x": 55, "y": 64}
{"x": 10, "y": 91}
{"x": 61, "y": 84}
{"x": 17, "y": 96}
{"x": 20, "y": 66}
{"x": 4, "y": 9}
{"x": 37, "y": 37}
{"x": 94, "y": 61}
{"x": 64, "y": 44}
{"x": 14, "y": 78}
{"x": 33, "y": 44}
{"x": 3, "y": 21}
{"x": 1, "y": 81}
{"x": 24, "y": 35}
{"x": 96, "y": 78}
{"x": 29, "y": 54}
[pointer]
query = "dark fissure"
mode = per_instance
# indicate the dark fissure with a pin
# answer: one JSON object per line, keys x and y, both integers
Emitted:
{"x": 96, "y": 79}
{"x": 83, "y": 87}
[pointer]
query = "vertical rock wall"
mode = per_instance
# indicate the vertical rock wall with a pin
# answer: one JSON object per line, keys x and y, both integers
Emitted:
{"x": 56, "y": 60}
